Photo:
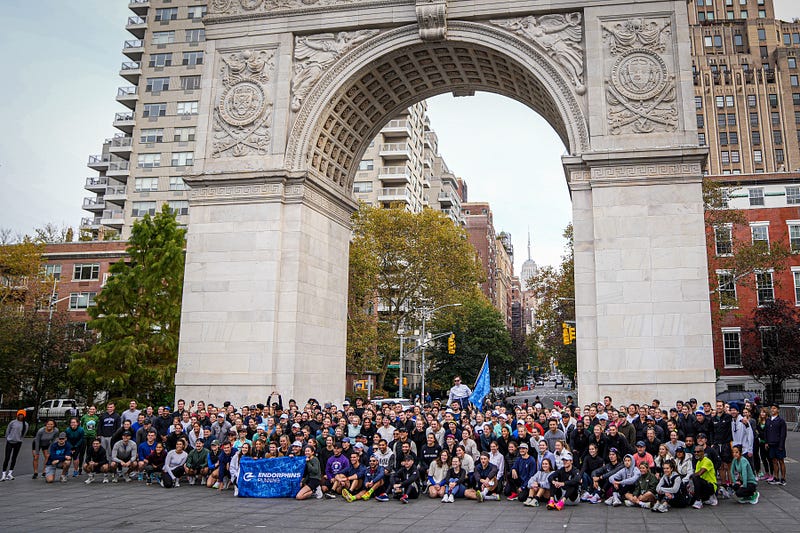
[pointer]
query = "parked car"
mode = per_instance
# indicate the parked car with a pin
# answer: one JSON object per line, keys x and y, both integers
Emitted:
{"x": 57, "y": 409}
{"x": 736, "y": 396}
{"x": 380, "y": 402}
{"x": 540, "y": 383}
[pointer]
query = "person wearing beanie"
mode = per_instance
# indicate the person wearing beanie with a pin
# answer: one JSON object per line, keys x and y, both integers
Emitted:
{"x": 15, "y": 432}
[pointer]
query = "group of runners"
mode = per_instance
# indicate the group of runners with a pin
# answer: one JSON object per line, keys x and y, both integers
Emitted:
{"x": 647, "y": 456}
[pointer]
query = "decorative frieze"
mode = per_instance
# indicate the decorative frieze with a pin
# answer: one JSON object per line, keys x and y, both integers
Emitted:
{"x": 432, "y": 19}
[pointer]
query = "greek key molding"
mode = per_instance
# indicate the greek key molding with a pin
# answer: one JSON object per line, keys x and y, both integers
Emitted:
{"x": 313, "y": 55}
{"x": 243, "y": 111}
{"x": 652, "y": 170}
{"x": 640, "y": 84}
{"x": 432, "y": 19}
{"x": 559, "y": 36}
{"x": 236, "y": 192}
{"x": 229, "y": 10}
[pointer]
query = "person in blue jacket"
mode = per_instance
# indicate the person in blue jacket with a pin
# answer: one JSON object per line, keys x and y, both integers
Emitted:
{"x": 524, "y": 468}
{"x": 60, "y": 457}
{"x": 374, "y": 480}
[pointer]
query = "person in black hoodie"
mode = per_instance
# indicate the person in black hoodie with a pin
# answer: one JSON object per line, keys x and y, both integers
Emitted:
{"x": 565, "y": 485}
{"x": 600, "y": 440}
{"x": 163, "y": 424}
{"x": 107, "y": 426}
{"x": 600, "y": 477}
{"x": 429, "y": 452}
{"x": 617, "y": 440}
{"x": 405, "y": 481}
{"x": 579, "y": 442}
{"x": 592, "y": 462}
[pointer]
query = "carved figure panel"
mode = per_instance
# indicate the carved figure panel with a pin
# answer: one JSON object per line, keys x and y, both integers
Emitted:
{"x": 313, "y": 54}
{"x": 242, "y": 116}
{"x": 640, "y": 84}
{"x": 248, "y": 7}
{"x": 432, "y": 19}
{"x": 561, "y": 38}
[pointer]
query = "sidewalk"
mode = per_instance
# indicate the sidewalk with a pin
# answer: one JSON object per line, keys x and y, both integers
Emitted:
{"x": 27, "y": 505}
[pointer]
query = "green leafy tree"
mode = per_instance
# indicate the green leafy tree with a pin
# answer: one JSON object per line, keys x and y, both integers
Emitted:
{"x": 137, "y": 316}
{"x": 400, "y": 261}
{"x": 554, "y": 288}
{"x": 480, "y": 330}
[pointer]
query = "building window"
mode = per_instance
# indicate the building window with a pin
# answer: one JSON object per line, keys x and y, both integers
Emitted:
{"x": 793, "y": 194}
{"x": 721, "y": 120}
{"x": 732, "y": 347}
{"x": 366, "y": 164}
{"x": 725, "y": 157}
{"x": 723, "y": 240}
{"x": 792, "y": 62}
{"x": 717, "y": 38}
{"x": 86, "y": 272}
{"x": 754, "y": 119}
{"x": 734, "y": 156}
{"x": 146, "y": 184}
{"x": 720, "y": 101}
{"x": 187, "y": 108}
{"x": 153, "y": 135}
{"x": 760, "y": 234}
{"x": 154, "y": 110}
{"x": 794, "y": 237}
{"x": 701, "y": 123}
{"x": 183, "y": 135}
{"x": 777, "y": 138}
{"x": 698, "y": 102}
{"x": 795, "y": 98}
{"x": 769, "y": 340}
{"x": 157, "y": 85}
{"x": 756, "y": 137}
{"x": 751, "y": 101}
{"x": 52, "y": 271}
{"x": 141, "y": 209}
{"x": 163, "y": 37}
{"x": 757, "y": 157}
{"x": 756, "y": 195}
{"x": 161, "y": 60}
{"x": 362, "y": 186}
{"x": 178, "y": 207}
{"x": 723, "y": 138}
{"x": 149, "y": 160}
{"x": 727, "y": 290}
{"x": 190, "y": 83}
{"x": 764, "y": 288}
{"x": 779, "y": 157}
{"x": 193, "y": 58}
{"x": 176, "y": 183}
{"x": 195, "y": 36}
{"x": 762, "y": 34}
{"x": 796, "y": 275}
{"x": 197, "y": 12}
{"x": 167, "y": 13}
{"x": 182, "y": 159}
{"x": 701, "y": 139}
{"x": 81, "y": 300}
{"x": 773, "y": 100}
{"x": 743, "y": 14}
{"x": 733, "y": 137}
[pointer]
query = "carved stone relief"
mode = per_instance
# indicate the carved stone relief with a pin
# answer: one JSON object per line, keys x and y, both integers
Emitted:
{"x": 640, "y": 87}
{"x": 432, "y": 19}
{"x": 245, "y": 7}
{"x": 244, "y": 108}
{"x": 315, "y": 53}
{"x": 560, "y": 36}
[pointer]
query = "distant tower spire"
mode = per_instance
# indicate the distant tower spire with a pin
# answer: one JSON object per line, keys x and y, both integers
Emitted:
{"x": 529, "y": 243}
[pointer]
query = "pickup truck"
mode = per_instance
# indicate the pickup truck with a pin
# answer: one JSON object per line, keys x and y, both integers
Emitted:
{"x": 57, "y": 409}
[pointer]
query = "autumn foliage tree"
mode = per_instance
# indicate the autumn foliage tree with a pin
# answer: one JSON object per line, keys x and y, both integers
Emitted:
{"x": 400, "y": 261}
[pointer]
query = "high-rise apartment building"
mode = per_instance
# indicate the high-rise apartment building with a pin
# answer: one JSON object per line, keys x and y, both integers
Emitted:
{"x": 141, "y": 167}
{"x": 747, "y": 86}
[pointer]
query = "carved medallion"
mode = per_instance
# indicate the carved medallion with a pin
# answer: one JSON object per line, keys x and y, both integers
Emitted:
{"x": 250, "y": 5}
{"x": 220, "y": 6}
{"x": 243, "y": 104}
{"x": 640, "y": 74}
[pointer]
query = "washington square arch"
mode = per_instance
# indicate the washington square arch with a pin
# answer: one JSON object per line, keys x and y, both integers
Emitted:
{"x": 295, "y": 90}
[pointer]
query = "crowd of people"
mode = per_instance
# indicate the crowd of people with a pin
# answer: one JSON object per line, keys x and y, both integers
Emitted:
{"x": 646, "y": 456}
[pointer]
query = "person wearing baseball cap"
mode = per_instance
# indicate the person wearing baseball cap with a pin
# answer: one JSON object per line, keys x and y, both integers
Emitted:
{"x": 60, "y": 458}
{"x": 565, "y": 485}
{"x": 522, "y": 470}
{"x": 15, "y": 432}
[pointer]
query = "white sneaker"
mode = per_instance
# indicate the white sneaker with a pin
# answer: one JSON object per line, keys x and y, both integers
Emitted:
{"x": 610, "y": 501}
{"x": 114, "y": 478}
{"x": 9, "y": 477}
{"x": 528, "y": 502}
{"x": 452, "y": 499}
{"x": 235, "y": 490}
{"x": 628, "y": 503}
{"x": 105, "y": 478}
{"x": 698, "y": 504}
{"x": 90, "y": 479}
{"x": 617, "y": 502}
{"x": 3, "y": 478}
{"x": 445, "y": 498}
{"x": 318, "y": 493}
{"x": 585, "y": 496}
{"x": 191, "y": 480}
{"x": 712, "y": 501}
{"x": 63, "y": 478}
{"x": 177, "y": 482}
{"x": 644, "y": 505}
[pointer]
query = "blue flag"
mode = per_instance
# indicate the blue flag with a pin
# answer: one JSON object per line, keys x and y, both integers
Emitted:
{"x": 482, "y": 386}
{"x": 270, "y": 478}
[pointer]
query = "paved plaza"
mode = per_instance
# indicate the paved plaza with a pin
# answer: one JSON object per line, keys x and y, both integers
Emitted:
{"x": 27, "y": 505}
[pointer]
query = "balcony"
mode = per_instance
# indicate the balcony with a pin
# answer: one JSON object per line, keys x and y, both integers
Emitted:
{"x": 398, "y": 175}
{"x": 446, "y": 199}
{"x": 128, "y": 96}
{"x": 137, "y": 25}
{"x": 397, "y": 128}
{"x": 395, "y": 151}
{"x": 394, "y": 194}
{"x": 94, "y": 203}
{"x": 98, "y": 162}
{"x": 124, "y": 122}
{"x": 139, "y": 7}
{"x": 96, "y": 183}
{"x": 118, "y": 168}
{"x": 428, "y": 162}
{"x": 133, "y": 49}
{"x": 116, "y": 194}
{"x": 131, "y": 71}
{"x": 90, "y": 222}
{"x": 121, "y": 146}
{"x": 113, "y": 218}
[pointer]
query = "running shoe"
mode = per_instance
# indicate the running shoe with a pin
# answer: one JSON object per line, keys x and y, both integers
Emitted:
{"x": 609, "y": 501}
{"x": 535, "y": 502}
{"x": 595, "y": 499}
{"x": 382, "y": 497}
{"x": 404, "y": 498}
{"x": 551, "y": 504}
{"x": 754, "y": 499}
{"x": 512, "y": 496}
{"x": 9, "y": 477}
{"x": 783, "y": 482}
{"x": 629, "y": 503}
{"x": 560, "y": 505}
{"x": 698, "y": 504}
{"x": 528, "y": 502}
{"x": 318, "y": 493}
{"x": 347, "y": 496}
{"x": 330, "y": 495}
{"x": 35, "y": 475}
{"x": 712, "y": 501}
{"x": 445, "y": 499}
{"x": 479, "y": 496}
{"x": 75, "y": 473}
{"x": 773, "y": 481}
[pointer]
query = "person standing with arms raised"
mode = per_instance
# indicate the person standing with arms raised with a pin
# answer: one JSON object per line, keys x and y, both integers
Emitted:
{"x": 459, "y": 393}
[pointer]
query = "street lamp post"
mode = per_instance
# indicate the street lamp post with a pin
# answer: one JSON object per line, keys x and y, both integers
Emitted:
{"x": 426, "y": 315}
{"x": 401, "y": 331}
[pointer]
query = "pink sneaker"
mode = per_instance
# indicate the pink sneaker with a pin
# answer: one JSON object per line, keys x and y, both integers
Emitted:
{"x": 560, "y": 505}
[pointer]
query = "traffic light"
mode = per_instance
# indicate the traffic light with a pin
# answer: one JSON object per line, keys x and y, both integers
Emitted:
{"x": 567, "y": 333}
{"x": 451, "y": 344}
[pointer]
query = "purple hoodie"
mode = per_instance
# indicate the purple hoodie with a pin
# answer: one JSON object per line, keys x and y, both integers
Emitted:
{"x": 336, "y": 465}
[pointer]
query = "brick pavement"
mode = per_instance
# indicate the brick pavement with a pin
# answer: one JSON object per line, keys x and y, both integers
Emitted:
{"x": 28, "y": 505}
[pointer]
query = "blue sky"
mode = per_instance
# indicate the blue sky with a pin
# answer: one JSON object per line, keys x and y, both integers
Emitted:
{"x": 60, "y": 79}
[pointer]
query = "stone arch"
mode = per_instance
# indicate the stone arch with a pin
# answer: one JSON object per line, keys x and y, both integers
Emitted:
{"x": 393, "y": 70}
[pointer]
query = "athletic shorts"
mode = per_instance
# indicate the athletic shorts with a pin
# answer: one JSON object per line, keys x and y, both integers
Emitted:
{"x": 775, "y": 453}
{"x": 312, "y": 483}
{"x": 51, "y": 470}
{"x": 725, "y": 452}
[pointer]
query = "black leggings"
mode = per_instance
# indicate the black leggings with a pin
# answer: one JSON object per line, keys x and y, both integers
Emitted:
{"x": 12, "y": 450}
{"x": 703, "y": 490}
{"x": 761, "y": 454}
{"x": 569, "y": 493}
{"x": 746, "y": 491}
{"x": 167, "y": 479}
